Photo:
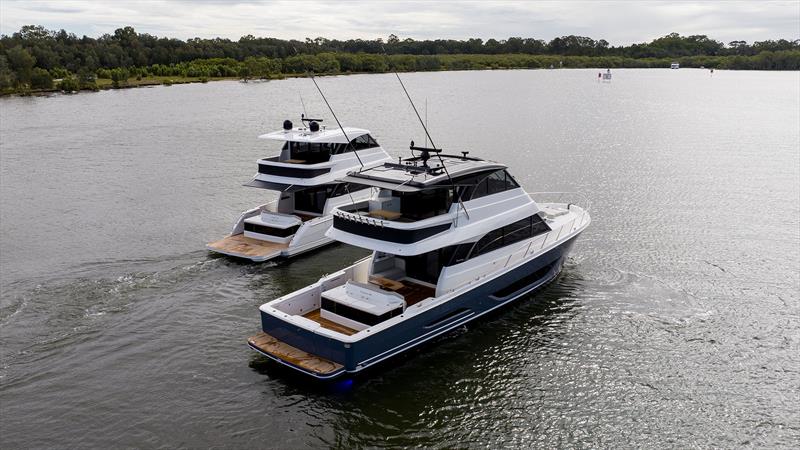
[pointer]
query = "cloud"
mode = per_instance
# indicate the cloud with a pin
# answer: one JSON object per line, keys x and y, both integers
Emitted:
{"x": 619, "y": 22}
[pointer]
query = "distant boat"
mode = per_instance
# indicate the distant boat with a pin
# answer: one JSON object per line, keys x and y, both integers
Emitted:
{"x": 674, "y": 66}
{"x": 607, "y": 76}
{"x": 305, "y": 174}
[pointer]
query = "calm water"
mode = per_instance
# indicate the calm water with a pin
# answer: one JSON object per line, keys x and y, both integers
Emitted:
{"x": 676, "y": 321}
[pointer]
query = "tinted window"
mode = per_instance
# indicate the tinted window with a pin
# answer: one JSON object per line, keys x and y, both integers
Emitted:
{"x": 491, "y": 241}
{"x": 476, "y": 186}
{"x": 310, "y": 152}
{"x": 481, "y": 189}
{"x": 311, "y": 200}
{"x": 511, "y": 183}
{"x": 362, "y": 142}
{"x": 509, "y": 234}
{"x": 425, "y": 204}
{"x": 347, "y": 188}
{"x": 496, "y": 182}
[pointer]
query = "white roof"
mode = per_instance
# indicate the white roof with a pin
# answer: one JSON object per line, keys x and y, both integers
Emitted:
{"x": 303, "y": 134}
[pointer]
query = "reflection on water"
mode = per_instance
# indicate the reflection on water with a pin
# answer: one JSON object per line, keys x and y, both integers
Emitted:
{"x": 675, "y": 321}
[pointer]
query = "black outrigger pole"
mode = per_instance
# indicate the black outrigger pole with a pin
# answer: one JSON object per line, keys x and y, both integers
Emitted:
{"x": 437, "y": 151}
{"x": 336, "y": 119}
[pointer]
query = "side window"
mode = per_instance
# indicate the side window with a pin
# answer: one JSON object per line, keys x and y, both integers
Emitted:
{"x": 480, "y": 190}
{"x": 517, "y": 231}
{"x": 491, "y": 241}
{"x": 461, "y": 253}
{"x": 345, "y": 188}
{"x": 511, "y": 183}
{"x": 372, "y": 141}
{"x": 362, "y": 142}
{"x": 538, "y": 226}
{"x": 496, "y": 182}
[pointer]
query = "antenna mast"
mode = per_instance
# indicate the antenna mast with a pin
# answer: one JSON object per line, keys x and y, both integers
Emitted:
{"x": 441, "y": 161}
{"x": 337, "y": 120}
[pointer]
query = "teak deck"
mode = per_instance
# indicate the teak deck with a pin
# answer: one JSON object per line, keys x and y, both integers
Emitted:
{"x": 285, "y": 352}
{"x": 333, "y": 326}
{"x": 414, "y": 292}
{"x": 240, "y": 245}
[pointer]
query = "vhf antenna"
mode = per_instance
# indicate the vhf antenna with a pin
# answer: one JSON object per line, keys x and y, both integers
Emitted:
{"x": 337, "y": 120}
{"x": 441, "y": 161}
{"x": 302, "y": 103}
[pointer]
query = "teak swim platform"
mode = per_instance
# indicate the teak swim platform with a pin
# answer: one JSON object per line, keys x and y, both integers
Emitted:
{"x": 283, "y": 352}
{"x": 243, "y": 246}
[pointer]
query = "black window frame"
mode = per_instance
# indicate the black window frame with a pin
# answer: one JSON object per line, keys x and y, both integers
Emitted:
{"x": 475, "y": 186}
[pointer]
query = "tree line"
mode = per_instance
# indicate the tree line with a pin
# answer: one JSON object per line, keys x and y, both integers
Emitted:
{"x": 35, "y": 58}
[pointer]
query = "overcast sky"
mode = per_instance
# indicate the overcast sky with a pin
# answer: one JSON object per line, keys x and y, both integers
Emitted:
{"x": 619, "y": 22}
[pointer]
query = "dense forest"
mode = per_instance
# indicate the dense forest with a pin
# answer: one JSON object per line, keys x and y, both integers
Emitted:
{"x": 37, "y": 59}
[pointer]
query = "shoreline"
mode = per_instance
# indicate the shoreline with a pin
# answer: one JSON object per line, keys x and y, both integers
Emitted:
{"x": 107, "y": 85}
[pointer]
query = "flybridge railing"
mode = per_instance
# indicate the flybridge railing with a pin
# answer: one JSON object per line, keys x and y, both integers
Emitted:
{"x": 579, "y": 199}
{"x": 353, "y": 217}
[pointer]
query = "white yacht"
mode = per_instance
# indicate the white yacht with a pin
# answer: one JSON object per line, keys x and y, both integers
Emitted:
{"x": 674, "y": 66}
{"x": 453, "y": 238}
{"x": 304, "y": 175}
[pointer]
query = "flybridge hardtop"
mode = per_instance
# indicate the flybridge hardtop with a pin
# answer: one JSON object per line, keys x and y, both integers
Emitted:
{"x": 305, "y": 175}
{"x": 453, "y": 238}
{"x": 313, "y": 155}
{"x": 304, "y": 134}
{"x": 411, "y": 176}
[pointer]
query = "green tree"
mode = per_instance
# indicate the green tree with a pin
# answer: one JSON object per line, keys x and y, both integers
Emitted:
{"x": 21, "y": 63}
{"x": 41, "y": 79}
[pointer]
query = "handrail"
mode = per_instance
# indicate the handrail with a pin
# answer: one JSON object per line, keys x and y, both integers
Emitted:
{"x": 582, "y": 196}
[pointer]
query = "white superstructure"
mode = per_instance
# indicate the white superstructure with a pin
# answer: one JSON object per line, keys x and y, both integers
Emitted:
{"x": 452, "y": 239}
{"x": 305, "y": 174}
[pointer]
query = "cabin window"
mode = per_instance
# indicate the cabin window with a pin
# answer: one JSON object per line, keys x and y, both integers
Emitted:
{"x": 309, "y": 152}
{"x": 313, "y": 199}
{"x": 425, "y": 267}
{"x": 515, "y": 232}
{"x": 480, "y": 185}
{"x": 362, "y": 142}
{"x": 425, "y": 204}
{"x": 347, "y": 188}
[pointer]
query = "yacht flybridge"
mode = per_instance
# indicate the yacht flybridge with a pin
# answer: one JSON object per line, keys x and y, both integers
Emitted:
{"x": 305, "y": 176}
{"x": 453, "y": 238}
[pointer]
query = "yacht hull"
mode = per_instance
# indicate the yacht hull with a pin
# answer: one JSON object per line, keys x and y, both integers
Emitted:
{"x": 498, "y": 291}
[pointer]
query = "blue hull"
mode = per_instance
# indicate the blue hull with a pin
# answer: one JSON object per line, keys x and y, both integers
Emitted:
{"x": 488, "y": 296}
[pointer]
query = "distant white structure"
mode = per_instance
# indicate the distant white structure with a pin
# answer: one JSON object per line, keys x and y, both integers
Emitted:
{"x": 607, "y": 75}
{"x": 674, "y": 66}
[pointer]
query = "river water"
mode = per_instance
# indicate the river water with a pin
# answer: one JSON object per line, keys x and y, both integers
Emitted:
{"x": 675, "y": 323}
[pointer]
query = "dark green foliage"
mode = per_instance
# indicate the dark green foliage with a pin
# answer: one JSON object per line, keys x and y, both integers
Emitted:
{"x": 41, "y": 79}
{"x": 127, "y": 54}
{"x": 69, "y": 84}
{"x": 21, "y": 63}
